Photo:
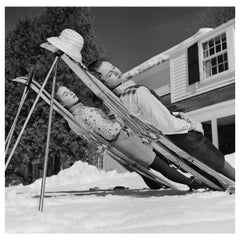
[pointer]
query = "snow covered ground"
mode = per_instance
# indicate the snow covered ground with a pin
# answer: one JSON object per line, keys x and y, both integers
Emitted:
{"x": 201, "y": 212}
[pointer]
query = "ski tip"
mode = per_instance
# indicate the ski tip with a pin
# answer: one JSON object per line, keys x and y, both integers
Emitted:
{"x": 20, "y": 79}
{"x": 49, "y": 47}
{"x": 230, "y": 190}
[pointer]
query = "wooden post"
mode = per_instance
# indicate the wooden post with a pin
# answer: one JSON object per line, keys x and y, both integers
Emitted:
{"x": 214, "y": 132}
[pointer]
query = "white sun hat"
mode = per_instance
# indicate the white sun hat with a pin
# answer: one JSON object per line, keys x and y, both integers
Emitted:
{"x": 70, "y": 42}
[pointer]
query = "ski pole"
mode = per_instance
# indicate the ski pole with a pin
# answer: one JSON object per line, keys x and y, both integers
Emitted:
{"x": 48, "y": 143}
{"x": 30, "y": 113}
{"x": 24, "y": 95}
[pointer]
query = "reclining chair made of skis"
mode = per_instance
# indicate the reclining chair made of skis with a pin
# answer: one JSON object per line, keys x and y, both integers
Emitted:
{"x": 179, "y": 159}
{"x": 150, "y": 176}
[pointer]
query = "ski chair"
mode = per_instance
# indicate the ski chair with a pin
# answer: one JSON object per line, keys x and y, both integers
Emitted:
{"x": 90, "y": 136}
{"x": 179, "y": 158}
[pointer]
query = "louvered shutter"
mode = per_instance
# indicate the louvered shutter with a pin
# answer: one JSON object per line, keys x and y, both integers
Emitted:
{"x": 193, "y": 64}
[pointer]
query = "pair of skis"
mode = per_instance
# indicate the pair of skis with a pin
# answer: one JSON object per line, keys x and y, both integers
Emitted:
{"x": 143, "y": 193}
{"x": 159, "y": 142}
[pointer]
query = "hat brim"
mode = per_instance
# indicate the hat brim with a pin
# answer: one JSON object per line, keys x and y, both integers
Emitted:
{"x": 55, "y": 41}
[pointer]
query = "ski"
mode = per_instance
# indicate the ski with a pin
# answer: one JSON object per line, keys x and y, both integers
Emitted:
{"x": 140, "y": 193}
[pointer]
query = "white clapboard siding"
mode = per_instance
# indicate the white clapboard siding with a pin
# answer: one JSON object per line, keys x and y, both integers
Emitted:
{"x": 163, "y": 90}
{"x": 179, "y": 77}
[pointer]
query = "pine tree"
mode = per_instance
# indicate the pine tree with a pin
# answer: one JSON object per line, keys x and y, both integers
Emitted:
{"x": 22, "y": 52}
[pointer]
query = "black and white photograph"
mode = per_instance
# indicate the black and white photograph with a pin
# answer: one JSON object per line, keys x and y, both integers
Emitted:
{"x": 119, "y": 119}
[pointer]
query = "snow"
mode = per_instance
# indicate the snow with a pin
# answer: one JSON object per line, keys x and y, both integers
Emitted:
{"x": 199, "y": 212}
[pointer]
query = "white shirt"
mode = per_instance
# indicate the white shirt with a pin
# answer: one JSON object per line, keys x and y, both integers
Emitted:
{"x": 141, "y": 103}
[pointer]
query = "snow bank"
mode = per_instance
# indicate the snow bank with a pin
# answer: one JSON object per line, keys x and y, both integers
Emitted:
{"x": 82, "y": 176}
{"x": 205, "y": 212}
{"x": 231, "y": 159}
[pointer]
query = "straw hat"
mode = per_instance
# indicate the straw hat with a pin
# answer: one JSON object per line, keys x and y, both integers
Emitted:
{"x": 70, "y": 42}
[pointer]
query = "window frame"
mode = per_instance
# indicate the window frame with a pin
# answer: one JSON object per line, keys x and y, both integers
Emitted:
{"x": 202, "y": 59}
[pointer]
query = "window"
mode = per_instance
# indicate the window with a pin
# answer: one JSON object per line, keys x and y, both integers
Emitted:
{"x": 100, "y": 160}
{"x": 215, "y": 57}
{"x": 100, "y": 163}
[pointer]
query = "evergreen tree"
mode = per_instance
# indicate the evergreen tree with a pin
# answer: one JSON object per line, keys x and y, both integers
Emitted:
{"x": 23, "y": 51}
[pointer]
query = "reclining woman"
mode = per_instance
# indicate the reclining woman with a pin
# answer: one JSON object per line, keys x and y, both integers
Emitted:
{"x": 124, "y": 140}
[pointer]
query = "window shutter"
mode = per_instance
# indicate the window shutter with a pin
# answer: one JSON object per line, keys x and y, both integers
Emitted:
{"x": 193, "y": 64}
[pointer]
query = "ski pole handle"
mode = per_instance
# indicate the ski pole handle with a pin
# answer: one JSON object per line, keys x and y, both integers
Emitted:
{"x": 30, "y": 77}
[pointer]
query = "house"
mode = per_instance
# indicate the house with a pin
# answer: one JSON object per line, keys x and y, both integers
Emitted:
{"x": 197, "y": 77}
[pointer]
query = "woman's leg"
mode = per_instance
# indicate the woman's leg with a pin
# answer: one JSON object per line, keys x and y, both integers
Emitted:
{"x": 161, "y": 166}
{"x": 132, "y": 146}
